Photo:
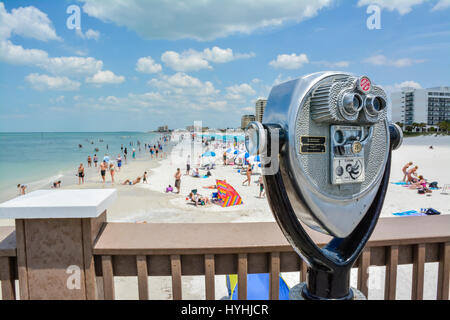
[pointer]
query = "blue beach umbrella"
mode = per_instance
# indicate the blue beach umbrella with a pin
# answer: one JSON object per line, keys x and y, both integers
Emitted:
{"x": 209, "y": 154}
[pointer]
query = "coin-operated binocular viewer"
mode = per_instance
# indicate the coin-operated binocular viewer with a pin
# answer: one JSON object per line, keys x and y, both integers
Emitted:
{"x": 325, "y": 144}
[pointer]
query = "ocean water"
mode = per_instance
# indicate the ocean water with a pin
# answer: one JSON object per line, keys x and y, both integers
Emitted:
{"x": 41, "y": 158}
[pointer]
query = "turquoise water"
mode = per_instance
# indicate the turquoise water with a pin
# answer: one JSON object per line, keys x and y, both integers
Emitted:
{"x": 29, "y": 157}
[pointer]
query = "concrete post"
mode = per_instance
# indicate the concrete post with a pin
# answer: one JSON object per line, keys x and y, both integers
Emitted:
{"x": 55, "y": 233}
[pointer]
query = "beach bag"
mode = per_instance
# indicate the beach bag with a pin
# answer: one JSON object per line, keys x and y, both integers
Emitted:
{"x": 432, "y": 212}
{"x": 421, "y": 191}
{"x": 434, "y": 184}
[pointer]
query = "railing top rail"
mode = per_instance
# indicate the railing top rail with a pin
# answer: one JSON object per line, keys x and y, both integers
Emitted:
{"x": 7, "y": 242}
{"x": 227, "y": 238}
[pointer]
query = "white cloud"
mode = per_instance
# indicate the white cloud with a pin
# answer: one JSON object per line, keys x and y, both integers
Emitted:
{"x": 192, "y": 60}
{"x": 184, "y": 62}
{"x": 218, "y": 55}
{"x": 402, "y": 6}
{"x": 441, "y": 5}
{"x": 240, "y": 92}
{"x": 381, "y": 60}
{"x": 183, "y": 84}
{"x": 400, "y": 86}
{"x": 28, "y": 22}
{"x": 328, "y": 64}
{"x": 291, "y": 62}
{"x": 105, "y": 77}
{"x": 148, "y": 65}
{"x": 13, "y": 54}
{"x": 45, "y": 82}
{"x": 201, "y": 20}
{"x": 90, "y": 34}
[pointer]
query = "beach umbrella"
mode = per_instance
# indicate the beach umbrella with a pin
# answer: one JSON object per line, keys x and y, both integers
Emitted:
{"x": 209, "y": 154}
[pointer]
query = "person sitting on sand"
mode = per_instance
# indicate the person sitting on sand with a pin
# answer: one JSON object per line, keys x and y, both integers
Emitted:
{"x": 169, "y": 189}
{"x": 198, "y": 199}
{"x": 411, "y": 173}
{"x": 405, "y": 170}
{"x": 421, "y": 184}
{"x": 196, "y": 173}
{"x": 132, "y": 183}
{"x": 22, "y": 188}
{"x": 56, "y": 184}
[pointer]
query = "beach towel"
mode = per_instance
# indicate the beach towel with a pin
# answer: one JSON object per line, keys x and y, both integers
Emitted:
{"x": 411, "y": 213}
{"x": 399, "y": 183}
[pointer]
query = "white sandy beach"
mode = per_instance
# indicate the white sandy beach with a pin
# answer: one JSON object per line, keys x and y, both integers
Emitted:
{"x": 149, "y": 203}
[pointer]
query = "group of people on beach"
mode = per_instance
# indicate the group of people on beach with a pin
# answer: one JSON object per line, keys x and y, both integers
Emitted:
{"x": 414, "y": 180}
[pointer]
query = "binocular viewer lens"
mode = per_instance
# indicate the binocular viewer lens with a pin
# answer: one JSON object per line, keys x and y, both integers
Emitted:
{"x": 374, "y": 105}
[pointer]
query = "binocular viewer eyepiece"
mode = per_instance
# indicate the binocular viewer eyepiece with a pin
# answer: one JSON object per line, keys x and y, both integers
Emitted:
{"x": 325, "y": 145}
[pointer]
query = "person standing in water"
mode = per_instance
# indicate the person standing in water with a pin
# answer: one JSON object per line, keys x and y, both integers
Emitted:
{"x": 89, "y": 161}
{"x": 81, "y": 174}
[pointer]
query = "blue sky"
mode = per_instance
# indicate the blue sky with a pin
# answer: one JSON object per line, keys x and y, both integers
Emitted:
{"x": 138, "y": 64}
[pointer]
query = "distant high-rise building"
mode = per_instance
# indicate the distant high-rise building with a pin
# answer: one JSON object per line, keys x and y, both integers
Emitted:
{"x": 163, "y": 129}
{"x": 260, "y": 107}
{"x": 429, "y": 106}
{"x": 246, "y": 119}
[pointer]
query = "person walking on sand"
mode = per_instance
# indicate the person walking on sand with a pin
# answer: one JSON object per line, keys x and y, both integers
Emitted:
{"x": 22, "y": 188}
{"x": 89, "y": 161}
{"x": 112, "y": 171}
{"x": 134, "y": 153}
{"x": 262, "y": 192}
{"x": 405, "y": 170}
{"x": 178, "y": 180}
{"x": 103, "y": 167}
{"x": 95, "y": 160}
{"x": 144, "y": 178}
{"x": 188, "y": 164}
{"x": 81, "y": 174}
{"x": 249, "y": 175}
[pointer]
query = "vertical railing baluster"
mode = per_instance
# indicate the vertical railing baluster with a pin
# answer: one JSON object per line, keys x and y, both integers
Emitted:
{"x": 363, "y": 272}
{"x": 242, "y": 276}
{"x": 391, "y": 273}
{"x": 210, "y": 273}
{"x": 274, "y": 286}
{"x": 418, "y": 272}
{"x": 142, "y": 272}
{"x": 108, "y": 278}
{"x": 7, "y": 279}
{"x": 303, "y": 270}
{"x": 175, "y": 263}
{"x": 444, "y": 272}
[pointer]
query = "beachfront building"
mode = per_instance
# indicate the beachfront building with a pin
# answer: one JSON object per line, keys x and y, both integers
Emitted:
{"x": 163, "y": 129}
{"x": 246, "y": 119}
{"x": 430, "y": 106}
{"x": 260, "y": 107}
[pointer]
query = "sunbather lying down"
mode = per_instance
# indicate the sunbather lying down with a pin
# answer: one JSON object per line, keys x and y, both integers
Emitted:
{"x": 131, "y": 183}
{"x": 198, "y": 199}
{"x": 421, "y": 184}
